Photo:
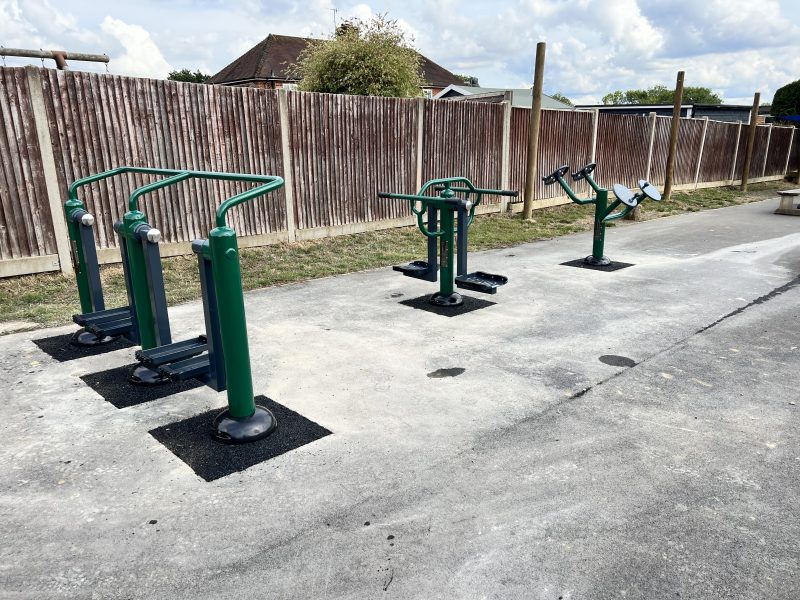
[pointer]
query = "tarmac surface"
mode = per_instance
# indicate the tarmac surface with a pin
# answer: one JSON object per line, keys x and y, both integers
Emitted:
{"x": 590, "y": 435}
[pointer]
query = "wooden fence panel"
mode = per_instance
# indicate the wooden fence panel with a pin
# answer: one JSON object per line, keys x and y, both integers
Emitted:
{"x": 794, "y": 157}
{"x": 345, "y": 149}
{"x": 778, "y": 147}
{"x": 688, "y": 151}
{"x": 463, "y": 139}
{"x": 658, "y": 164}
{"x": 99, "y": 122}
{"x": 565, "y": 137}
{"x": 718, "y": 151}
{"x": 622, "y": 147}
{"x": 26, "y": 226}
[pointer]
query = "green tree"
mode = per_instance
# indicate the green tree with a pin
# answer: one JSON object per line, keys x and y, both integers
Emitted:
{"x": 561, "y": 98}
{"x": 187, "y": 75}
{"x": 470, "y": 80}
{"x": 365, "y": 58}
{"x": 661, "y": 94}
{"x": 786, "y": 101}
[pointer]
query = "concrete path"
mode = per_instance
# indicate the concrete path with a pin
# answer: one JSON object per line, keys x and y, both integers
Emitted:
{"x": 538, "y": 472}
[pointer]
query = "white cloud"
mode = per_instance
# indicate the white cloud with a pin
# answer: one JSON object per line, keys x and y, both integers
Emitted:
{"x": 142, "y": 57}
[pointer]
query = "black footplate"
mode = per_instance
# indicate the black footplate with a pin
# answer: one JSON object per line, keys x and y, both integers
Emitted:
{"x": 114, "y": 321}
{"x": 171, "y": 353}
{"x": 418, "y": 269}
{"x": 187, "y": 369}
{"x": 112, "y": 314}
{"x": 481, "y": 282}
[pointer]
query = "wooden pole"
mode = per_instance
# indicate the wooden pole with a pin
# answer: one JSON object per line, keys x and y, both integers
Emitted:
{"x": 533, "y": 133}
{"x": 673, "y": 135}
{"x": 751, "y": 138}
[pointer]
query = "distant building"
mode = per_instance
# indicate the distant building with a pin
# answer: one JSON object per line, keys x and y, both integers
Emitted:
{"x": 715, "y": 112}
{"x": 519, "y": 97}
{"x": 268, "y": 65}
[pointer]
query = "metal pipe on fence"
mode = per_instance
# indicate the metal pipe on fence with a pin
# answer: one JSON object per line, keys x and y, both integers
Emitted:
{"x": 60, "y": 56}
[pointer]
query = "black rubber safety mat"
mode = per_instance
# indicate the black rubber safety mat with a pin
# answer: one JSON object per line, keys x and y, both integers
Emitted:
{"x": 114, "y": 387}
{"x": 613, "y": 266}
{"x": 60, "y": 349}
{"x": 470, "y": 304}
{"x": 191, "y": 441}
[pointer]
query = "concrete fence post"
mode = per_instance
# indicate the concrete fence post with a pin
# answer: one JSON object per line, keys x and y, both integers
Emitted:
{"x": 595, "y": 123}
{"x": 288, "y": 174}
{"x": 651, "y": 143}
{"x": 505, "y": 162}
{"x": 420, "y": 139}
{"x": 766, "y": 152}
{"x": 788, "y": 153}
{"x": 700, "y": 152}
{"x": 736, "y": 152}
{"x": 55, "y": 196}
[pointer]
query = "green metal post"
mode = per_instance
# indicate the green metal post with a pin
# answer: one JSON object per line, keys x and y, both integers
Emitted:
{"x": 446, "y": 284}
{"x": 224, "y": 253}
{"x": 138, "y": 275}
{"x": 600, "y": 206}
{"x": 70, "y": 207}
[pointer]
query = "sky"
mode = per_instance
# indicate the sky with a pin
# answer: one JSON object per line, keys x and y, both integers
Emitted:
{"x": 734, "y": 47}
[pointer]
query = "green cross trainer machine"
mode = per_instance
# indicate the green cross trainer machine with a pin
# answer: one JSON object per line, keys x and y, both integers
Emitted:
{"x": 221, "y": 357}
{"x": 603, "y": 213}
{"x": 139, "y": 249}
{"x": 449, "y": 218}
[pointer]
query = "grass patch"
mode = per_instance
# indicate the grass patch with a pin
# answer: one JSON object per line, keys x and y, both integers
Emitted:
{"x": 51, "y": 299}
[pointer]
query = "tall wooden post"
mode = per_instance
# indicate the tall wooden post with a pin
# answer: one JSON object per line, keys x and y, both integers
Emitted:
{"x": 673, "y": 135}
{"x": 751, "y": 138}
{"x": 533, "y": 133}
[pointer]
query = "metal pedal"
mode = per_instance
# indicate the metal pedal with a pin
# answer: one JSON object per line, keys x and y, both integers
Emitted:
{"x": 187, "y": 369}
{"x": 479, "y": 281}
{"x": 111, "y": 314}
{"x": 419, "y": 269}
{"x": 172, "y": 353}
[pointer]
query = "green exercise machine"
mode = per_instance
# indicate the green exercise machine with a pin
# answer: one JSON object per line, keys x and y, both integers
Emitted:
{"x": 603, "y": 212}
{"x": 448, "y": 221}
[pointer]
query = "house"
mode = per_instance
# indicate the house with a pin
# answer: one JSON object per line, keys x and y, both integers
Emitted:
{"x": 715, "y": 112}
{"x": 519, "y": 97}
{"x": 268, "y": 65}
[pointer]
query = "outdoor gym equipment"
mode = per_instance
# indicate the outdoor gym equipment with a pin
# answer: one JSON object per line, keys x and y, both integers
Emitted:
{"x": 138, "y": 246}
{"x": 221, "y": 357}
{"x": 603, "y": 213}
{"x": 449, "y": 219}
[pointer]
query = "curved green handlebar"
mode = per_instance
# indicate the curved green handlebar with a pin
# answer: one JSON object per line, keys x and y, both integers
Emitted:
{"x": 223, "y": 208}
{"x": 270, "y": 182}
{"x": 572, "y": 196}
{"x": 592, "y": 183}
{"x": 73, "y": 188}
{"x": 151, "y": 187}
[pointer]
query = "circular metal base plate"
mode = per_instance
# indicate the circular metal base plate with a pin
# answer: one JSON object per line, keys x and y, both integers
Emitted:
{"x": 87, "y": 338}
{"x": 141, "y": 375}
{"x": 453, "y": 299}
{"x": 597, "y": 262}
{"x": 229, "y": 430}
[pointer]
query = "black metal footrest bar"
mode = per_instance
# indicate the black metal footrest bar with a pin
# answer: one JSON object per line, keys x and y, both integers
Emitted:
{"x": 479, "y": 281}
{"x": 172, "y": 353}
{"x": 187, "y": 369}
{"x": 111, "y": 328}
{"x": 111, "y": 314}
{"x": 418, "y": 269}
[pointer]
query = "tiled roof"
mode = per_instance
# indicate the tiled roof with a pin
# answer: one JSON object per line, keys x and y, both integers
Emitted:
{"x": 273, "y": 57}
